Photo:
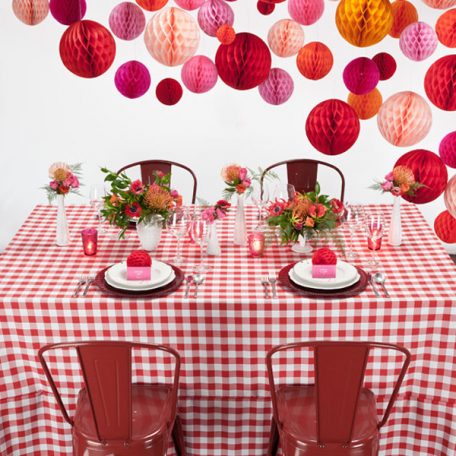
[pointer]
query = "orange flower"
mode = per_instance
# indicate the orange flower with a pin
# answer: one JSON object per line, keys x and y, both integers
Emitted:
{"x": 404, "y": 188}
{"x": 403, "y": 175}
{"x": 240, "y": 188}
{"x": 310, "y": 222}
{"x": 230, "y": 173}
{"x": 158, "y": 198}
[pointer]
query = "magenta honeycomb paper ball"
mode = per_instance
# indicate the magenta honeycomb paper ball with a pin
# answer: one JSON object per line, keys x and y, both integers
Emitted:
{"x": 450, "y": 196}
{"x": 306, "y": 12}
{"x": 277, "y": 88}
{"x": 127, "y": 21}
{"x": 199, "y": 74}
{"x": 189, "y": 4}
{"x": 213, "y": 14}
{"x": 132, "y": 79}
{"x": 447, "y": 149}
{"x": 361, "y": 76}
{"x": 418, "y": 41}
{"x": 67, "y": 12}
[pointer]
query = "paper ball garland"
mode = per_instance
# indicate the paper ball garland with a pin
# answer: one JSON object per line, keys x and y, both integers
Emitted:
{"x": 277, "y": 88}
{"x": 314, "y": 60}
{"x": 440, "y": 83}
{"x": 429, "y": 170}
{"x": 361, "y": 75}
{"x": 285, "y": 38}
{"x": 199, "y": 74}
{"x": 447, "y": 149}
{"x": 31, "y": 12}
{"x": 445, "y": 227}
{"x": 245, "y": 63}
{"x": 67, "y": 12}
{"x": 446, "y": 28}
{"x": 367, "y": 105}
{"x": 450, "y": 196}
{"x": 386, "y": 65}
{"x": 404, "y": 14}
{"x": 132, "y": 79}
{"x": 189, "y": 4}
{"x": 306, "y": 12}
{"x": 152, "y": 5}
{"x": 213, "y": 14}
{"x": 418, "y": 41}
{"x": 226, "y": 34}
{"x": 404, "y": 119}
{"x": 169, "y": 91}
{"x": 172, "y": 36}
{"x": 127, "y": 21}
{"x": 440, "y": 4}
{"x": 265, "y": 8}
{"x": 332, "y": 127}
{"x": 87, "y": 49}
{"x": 364, "y": 22}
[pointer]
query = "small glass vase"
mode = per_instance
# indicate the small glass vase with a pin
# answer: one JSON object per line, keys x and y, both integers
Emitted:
{"x": 240, "y": 230}
{"x": 303, "y": 246}
{"x": 62, "y": 236}
{"x": 149, "y": 232}
{"x": 395, "y": 226}
{"x": 213, "y": 244}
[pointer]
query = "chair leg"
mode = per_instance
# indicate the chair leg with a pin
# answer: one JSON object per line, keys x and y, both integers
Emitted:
{"x": 178, "y": 437}
{"x": 273, "y": 438}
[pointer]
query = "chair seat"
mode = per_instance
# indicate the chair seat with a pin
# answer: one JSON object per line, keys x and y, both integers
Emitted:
{"x": 150, "y": 412}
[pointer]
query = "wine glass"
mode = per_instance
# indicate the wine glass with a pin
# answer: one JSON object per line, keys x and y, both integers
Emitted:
{"x": 354, "y": 221}
{"x": 177, "y": 226}
{"x": 96, "y": 194}
{"x": 200, "y": 234}
{"x": 260, "y": 198}
{"x": 374, "y": 230}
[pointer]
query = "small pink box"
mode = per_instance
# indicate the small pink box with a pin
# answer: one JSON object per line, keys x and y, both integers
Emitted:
{"x": 138, "y": 273}
{"x": 324, "y": 271}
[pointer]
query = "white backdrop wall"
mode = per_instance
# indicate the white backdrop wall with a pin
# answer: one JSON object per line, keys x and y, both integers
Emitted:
{"x": 48, "y": 114}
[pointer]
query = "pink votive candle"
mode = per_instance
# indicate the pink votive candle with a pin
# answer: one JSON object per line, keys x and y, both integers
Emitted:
{"x": 256, "y": 243}
{"x": 89, "y": 241}
{"x": 374, "y": 243}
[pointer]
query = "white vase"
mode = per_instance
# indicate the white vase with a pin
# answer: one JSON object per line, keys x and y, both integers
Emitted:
{"x": 149, "y": 232}
{"x": 302, "y": 246}
{"x": 213, "y": 244}
{"x": 62, "y": 236}
{"x": 240, "y": 230}
{"x": 395, "y": 227}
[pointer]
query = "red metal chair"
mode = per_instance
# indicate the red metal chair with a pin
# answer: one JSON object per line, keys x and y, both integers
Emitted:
{"x": 148, "y": 167}
{"x": 302, "y": 174}
{"x": 336, "y": 416}
{"x": 114, "y": 416}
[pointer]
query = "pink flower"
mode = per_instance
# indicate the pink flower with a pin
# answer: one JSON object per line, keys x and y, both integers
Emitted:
{"x": 242, "y": 174}
{"x": 298, "y": 226}
{"x": 396, "y": 191}
{"x": 389, "y": 176}
{"x": 54, "y": 185}
{"x": 277, "y": 207}
{"x": 337, "y": 206}
{"x": 137, "y": 187}
{"x": 208, "y": 215}
{"x": 68, "y": 182}
{"x": 220, "y": 214}
{"x": 133, "y": 210}
{"x": 387, "y": 186}
{"x": 247, "y": 182}
{"x": 321, "y": 210}
{"x": 75, "y": 182}
{"x": 313, "y": 211}
{"x": 174, "y": 193}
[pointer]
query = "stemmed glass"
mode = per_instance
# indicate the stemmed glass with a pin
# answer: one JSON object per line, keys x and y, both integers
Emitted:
{"x": 200, "y": 234}
{"x": 374, "y": 229}
{"x": 178, "y": 227}
{"x": 96, "y": 194}
{"x": 260, "y": 199}
{"x": 354, "y": 219}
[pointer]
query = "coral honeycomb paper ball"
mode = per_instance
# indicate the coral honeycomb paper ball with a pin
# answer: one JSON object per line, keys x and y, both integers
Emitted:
{"x": 314, "y": 60}
{"x": 332, "y": 127}
{"x": 265, "y": 8}
{"x": 447, "y": 149}
{"x": 127, "y": 21}
{"x": 199, "y": 74}
{"x": 226, "y": 34}
{"x": 132, "y": 79}
{"x": 440, "y": 83}
{"x": 386, "y": 65}
{"x": 169, "y": 91}
{"x": 450, "y": 196}
{"x": 364, "y": 22}
{"x": 404, "y": 14}
{"x": 67, "y": 11}
{"x": 429, "y": 170}
{"x": 445, "y": 227}
{"x": 213, "y": 14}
{"x": 87, "y": 49}
{"x": 446, "y": 28}
{"x": 285, "y": 38}
{"x": 277, "y": 88}
{"x": 172, "y": 36}
{"x": 152, "y": 5}
{"x": 418, "y": 41}
{"x": 189, "y": 4}
{"x": 31, "y": 12}
{"x": 440, "y": 4}
{"x": 367, "y": 105}
{"x": 245, "y": 63}
{"x": 404, "y": 119}
{"x": 361, "y": 75}
{"x": 306, "y": 12}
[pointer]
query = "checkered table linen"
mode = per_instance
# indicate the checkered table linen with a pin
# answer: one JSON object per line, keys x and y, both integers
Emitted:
{"x": 224, "y": 335}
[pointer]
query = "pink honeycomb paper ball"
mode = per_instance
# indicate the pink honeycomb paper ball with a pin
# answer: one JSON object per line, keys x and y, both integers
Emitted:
{"x": 440, "y": 4}
{"x": 213, "y": 14}
{"x": 127, "y": 21}
{"x": 31, "y": 12}
{"x": 199, "y": 74}
{"x": 361, "y": 76}
{"x": 418, "y": 41}
{"x": 450, "y": 196}
{"x": 189, "y": 4}
{"x": 132, "y": 79}
{"x": 447, "y": 149}
{"x": 286, "y": 38}
{"x": 306, "y": 12}
{"x": 68, "y": 12}
{"x": 277, "y": 88}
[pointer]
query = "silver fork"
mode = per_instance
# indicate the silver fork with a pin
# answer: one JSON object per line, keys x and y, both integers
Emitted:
{"x": 89, "y": 282}
{"x": 272, "y": 280}
{"x": 81, "y": 282}
{"x": 265, "y": 283}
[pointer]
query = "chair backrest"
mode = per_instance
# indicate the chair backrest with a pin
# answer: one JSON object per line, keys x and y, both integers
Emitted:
{"x": 106, "y": 368}
{"x": 339, "y": 374}
{"x": 302, "y": 173}
{"x": 149, "y": 167}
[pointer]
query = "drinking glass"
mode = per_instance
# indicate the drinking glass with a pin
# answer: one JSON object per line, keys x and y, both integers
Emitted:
{"x": 374, "y": 230}
{"x": 96, "y": 194}
{"x": 260, "y": 200}
{"x": 178, "y": 226}
{"x": 354, "y": 217}
{"x": 200, "y": 231}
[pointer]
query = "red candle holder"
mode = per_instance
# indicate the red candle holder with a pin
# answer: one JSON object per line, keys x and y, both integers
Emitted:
{"x": 89, "y": 241}
{"x": 374, "y": 242}
{"x": 256, "y": 244}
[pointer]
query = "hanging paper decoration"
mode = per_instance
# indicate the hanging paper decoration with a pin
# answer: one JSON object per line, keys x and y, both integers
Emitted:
{"x": 31, "y": 12}
{"x": 199, "y": 74}
{"x": 189, "y": 4}
{"x": 364, "y": 22}
{"x": 172, "y": 36}
{"x": 168, "y": 91}
{"x": 314, "y": 60}
{"x": 132, "y": 79}
{"x": 367, "y": 105}
{"x": 213, "y": 14}
{"x": 440, "y": 83}
{"x": 226, "y": 34}
{"x": 265, "y": 8}
{"x": 277, "y": 88}
{"x": 440, "y": 4}
{"x": 127, "y": 21}
{"x": 332, "y": 127}
{"x": 245, "y": 63}
{"x": 404, "y": 119}
{"x": 404, "y": 14}
{"x": 450, "y": 196}
{"x": 446, "y": 28}
{"x": 306, "y": 12}
{"x": 429, "y": 170}
{"x": 445, "y": 227}
{"x": 67, "y": 12}
{"x": 418, "y": 41}
{"x": 386, "y": 64}
{"x": 447, "y": 149}
{"x": 152, "y": 5}
{"x": 286, "y": 38}
{"x": 87, "y": 49}
{"x": 361, "y": 75}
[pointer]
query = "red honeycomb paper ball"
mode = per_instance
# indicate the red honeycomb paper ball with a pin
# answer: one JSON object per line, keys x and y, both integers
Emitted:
{"x": 447, "y": 149}
{"x": 332, "y": 127}
{"x": 213, "y": 14}
{"x": 429, "y": 170}
{"x": 199, "y": 74}
{"x": 226, "y": 34}
{"x": 87, "y": 49}
{"x": 31, "y": 12}
{"x": 265, "y": 8}
{"x": 285, "y": 38}
{"x": 367, "y": 105}
{"x": 386, "y": 64}
{"x": 418, "y": 41}
{"x": 277, "y": 88}
{"x": 189, "y": 4}
{"x": 361, "y": 75}
{"x": 67, "y": 11}
{"x": 450, "y": 196}
{"x": 152, "y": 5}
{"x": 404, "y": 14}
{"x": 446, "y": 28}
{"x": 324, "y": 256}
{"x": 314, "y": 60}
{"x": 132, "y": 79}
{"x": 306, "y": 12}
{"x": 445, "y": 227}
{"x": 440, "y": 4}
{"x": 245, "y": 63}
{"x": 440, "y": 83}
{"x": 169, "y": 91}
{"x": 127, "y": 21}
{"x": 139, "y": 258}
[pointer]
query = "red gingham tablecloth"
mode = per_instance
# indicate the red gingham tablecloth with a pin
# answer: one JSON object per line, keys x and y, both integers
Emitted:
{"x": 223, "y": 336}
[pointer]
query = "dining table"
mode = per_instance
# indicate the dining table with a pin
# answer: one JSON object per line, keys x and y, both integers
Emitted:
{"x": 224, "y": 333}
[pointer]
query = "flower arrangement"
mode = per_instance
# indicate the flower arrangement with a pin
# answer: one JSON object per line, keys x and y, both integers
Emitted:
{"x": 305, "y": 214}
{"x": 65, "y": 179}
{"x": 135, "y": 200}
{"x": 238, "y": 180}
{"x": 400, "y": 181}
{"x": 216, "y": 212}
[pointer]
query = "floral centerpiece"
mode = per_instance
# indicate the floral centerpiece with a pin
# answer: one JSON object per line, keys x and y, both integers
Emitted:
{"x": 64, "y": 180}
{"x": 400, "y": 181}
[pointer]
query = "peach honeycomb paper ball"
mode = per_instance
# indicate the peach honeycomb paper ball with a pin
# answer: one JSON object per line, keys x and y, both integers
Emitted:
{"x": 285, "y": 38}
{"x": 446, "y": 28}
{"x": 31, "y": 12}
{"x": 213, "y": 14}
{"x": 199, "y": 74}
{"x": 306, "y": 12}
{"x": 418, "y": 41}
{"x": 440, "y": 4}
{"x": 277, "y": 88}
{"x": 404, "y": 14}
{"x": 440, "y": 83}
{"x": 314, "y": 60}
{"x": 366, "y": 106}
{"x": 445, "y": 227}
{"x": 450, "y": 196}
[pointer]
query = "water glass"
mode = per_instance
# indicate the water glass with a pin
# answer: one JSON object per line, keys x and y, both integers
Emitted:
{"x": 200, "y": 232}
{"x": 178, "y": 226}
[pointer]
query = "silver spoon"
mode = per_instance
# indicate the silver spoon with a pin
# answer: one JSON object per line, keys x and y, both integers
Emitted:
{"x": 381, "y": 279}
{"x": 198, "y": 279}
{"x": 188, "y": 281}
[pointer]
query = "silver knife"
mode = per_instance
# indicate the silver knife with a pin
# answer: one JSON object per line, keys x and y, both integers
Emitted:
{"x": 371, "y": 281}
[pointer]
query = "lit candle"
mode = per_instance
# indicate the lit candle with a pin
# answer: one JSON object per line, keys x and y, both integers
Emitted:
{"x": 89, "y": 241}
{"x": 256, "y": 242}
